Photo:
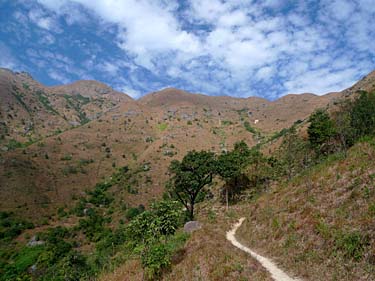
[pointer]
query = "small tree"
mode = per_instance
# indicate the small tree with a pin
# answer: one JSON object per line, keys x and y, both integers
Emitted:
{"x": 293, "y": 153}
{"x": 230, "y": 165}
{"x": 362, "y": 115}
{"x": 342, "y": 118}
{"x": 321, "y": 130}
{"x": 190, "y": 176}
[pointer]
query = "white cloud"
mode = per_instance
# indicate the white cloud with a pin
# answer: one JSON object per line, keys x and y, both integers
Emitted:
{"x": 129, "y": 91}
{"x": 234, "y": 44}
{"x": 58, "y": 76}
{"x": 7, "y": 59}
{"x": 321, "y": 81}
{"x": 42, "y": 20}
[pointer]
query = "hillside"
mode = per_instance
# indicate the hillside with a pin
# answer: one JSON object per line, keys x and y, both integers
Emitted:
{"x": 320, "y": 225}
{"x": 84, "y": 169}
{"x": 59, "y": 141}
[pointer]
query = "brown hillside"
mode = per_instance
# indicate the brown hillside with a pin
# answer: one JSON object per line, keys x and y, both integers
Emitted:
{"x": 84, "y": 131}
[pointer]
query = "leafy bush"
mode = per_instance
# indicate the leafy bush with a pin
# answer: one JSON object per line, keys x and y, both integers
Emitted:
{"x": 156, "y": 257}
{"x": 66, "y": 157}
{"x": 99, "y": 195}
{"x": 93, "y": 225}
{"x": 21, "y": 262}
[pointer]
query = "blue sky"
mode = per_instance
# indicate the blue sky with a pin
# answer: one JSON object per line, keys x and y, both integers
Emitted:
{"x": 238, "y": 48}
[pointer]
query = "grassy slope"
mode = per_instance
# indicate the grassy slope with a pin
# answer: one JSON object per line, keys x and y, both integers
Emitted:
{"x": 320, "y": 225}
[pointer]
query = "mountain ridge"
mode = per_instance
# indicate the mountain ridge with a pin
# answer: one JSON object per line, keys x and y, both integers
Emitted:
{"x": 73, "y": 139}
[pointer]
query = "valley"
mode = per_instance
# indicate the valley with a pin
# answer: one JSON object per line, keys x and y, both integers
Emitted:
{"x": 82, "y": 164}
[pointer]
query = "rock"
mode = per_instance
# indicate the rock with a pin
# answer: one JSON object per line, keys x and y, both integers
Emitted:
{"x": 35, "y": 242}
{"x": 33, "y": 268}
{"x": 191, "y": 226}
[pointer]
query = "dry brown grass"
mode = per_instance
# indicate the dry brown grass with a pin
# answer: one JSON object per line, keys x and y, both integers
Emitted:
{"x": 301, "y": 223}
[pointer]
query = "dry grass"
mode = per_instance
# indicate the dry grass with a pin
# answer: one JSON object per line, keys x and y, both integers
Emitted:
{"x": 304, "y": 225}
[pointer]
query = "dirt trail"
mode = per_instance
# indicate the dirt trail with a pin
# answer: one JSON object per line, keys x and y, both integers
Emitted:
{"x": 276, "y": 273}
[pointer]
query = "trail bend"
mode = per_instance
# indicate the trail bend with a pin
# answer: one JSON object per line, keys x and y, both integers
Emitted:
{"x": 276, "y": 273}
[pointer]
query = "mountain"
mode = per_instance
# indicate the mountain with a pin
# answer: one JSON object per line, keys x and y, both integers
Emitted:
{"x": 31, "y": 111}
{"x": 58, "y": 141}
{"x": 82, "y": 160}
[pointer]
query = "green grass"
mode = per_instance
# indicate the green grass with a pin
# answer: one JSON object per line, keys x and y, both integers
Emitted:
{"x": 162, "y": 126}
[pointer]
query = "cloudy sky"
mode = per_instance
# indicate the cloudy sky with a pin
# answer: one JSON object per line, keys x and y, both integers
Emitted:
{"x": 239, "y": 48}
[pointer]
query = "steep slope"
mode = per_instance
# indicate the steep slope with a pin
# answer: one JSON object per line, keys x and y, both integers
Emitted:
{"x": 320, "y": 225}
{"x": 30, "y": 111}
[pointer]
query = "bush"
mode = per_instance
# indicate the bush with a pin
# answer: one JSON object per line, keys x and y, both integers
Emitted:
{"x": 155, "y": 258}
{"x": 93, "y": 226}
{"x": 99, "y": 195}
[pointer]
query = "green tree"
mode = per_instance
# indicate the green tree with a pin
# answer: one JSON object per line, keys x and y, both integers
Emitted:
{"x": 321, "y": 130}
{"x": 362, "y": 115}
{"x": 293, "y": 153}
{"x": 230, "y": 166}
{"x": 190, "y": 176}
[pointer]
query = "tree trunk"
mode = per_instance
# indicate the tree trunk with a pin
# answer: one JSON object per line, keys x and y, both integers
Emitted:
{"x": 191, "y": 211}
{"x": 226, "y": 197}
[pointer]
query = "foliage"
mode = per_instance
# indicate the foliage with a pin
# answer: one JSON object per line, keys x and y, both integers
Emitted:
{"x": 76, "y": 102}
{"x": 156, "y": 257}
{"x": 21, "y": 262}
{"x": 99, "y": 196}
{"x": 249, "y": 128}
{"x": 362, "y": 114}
{"x": 322, "y": 128}
{"x": 190, "y": 176}
{"x": 11, "y": 227}
{"x": 93, "y": 225}
{"x": 131, "y": 213}
{"x": 294, "y": 154}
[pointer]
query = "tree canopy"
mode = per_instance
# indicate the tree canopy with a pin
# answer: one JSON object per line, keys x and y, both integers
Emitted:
{"x": 190, "y": 176}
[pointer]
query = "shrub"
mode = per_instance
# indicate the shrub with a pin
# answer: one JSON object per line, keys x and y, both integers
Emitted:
{"x": 155, "y": 258}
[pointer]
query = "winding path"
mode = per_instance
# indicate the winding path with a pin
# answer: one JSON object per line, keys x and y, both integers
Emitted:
{"x": 276, "y": 273}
